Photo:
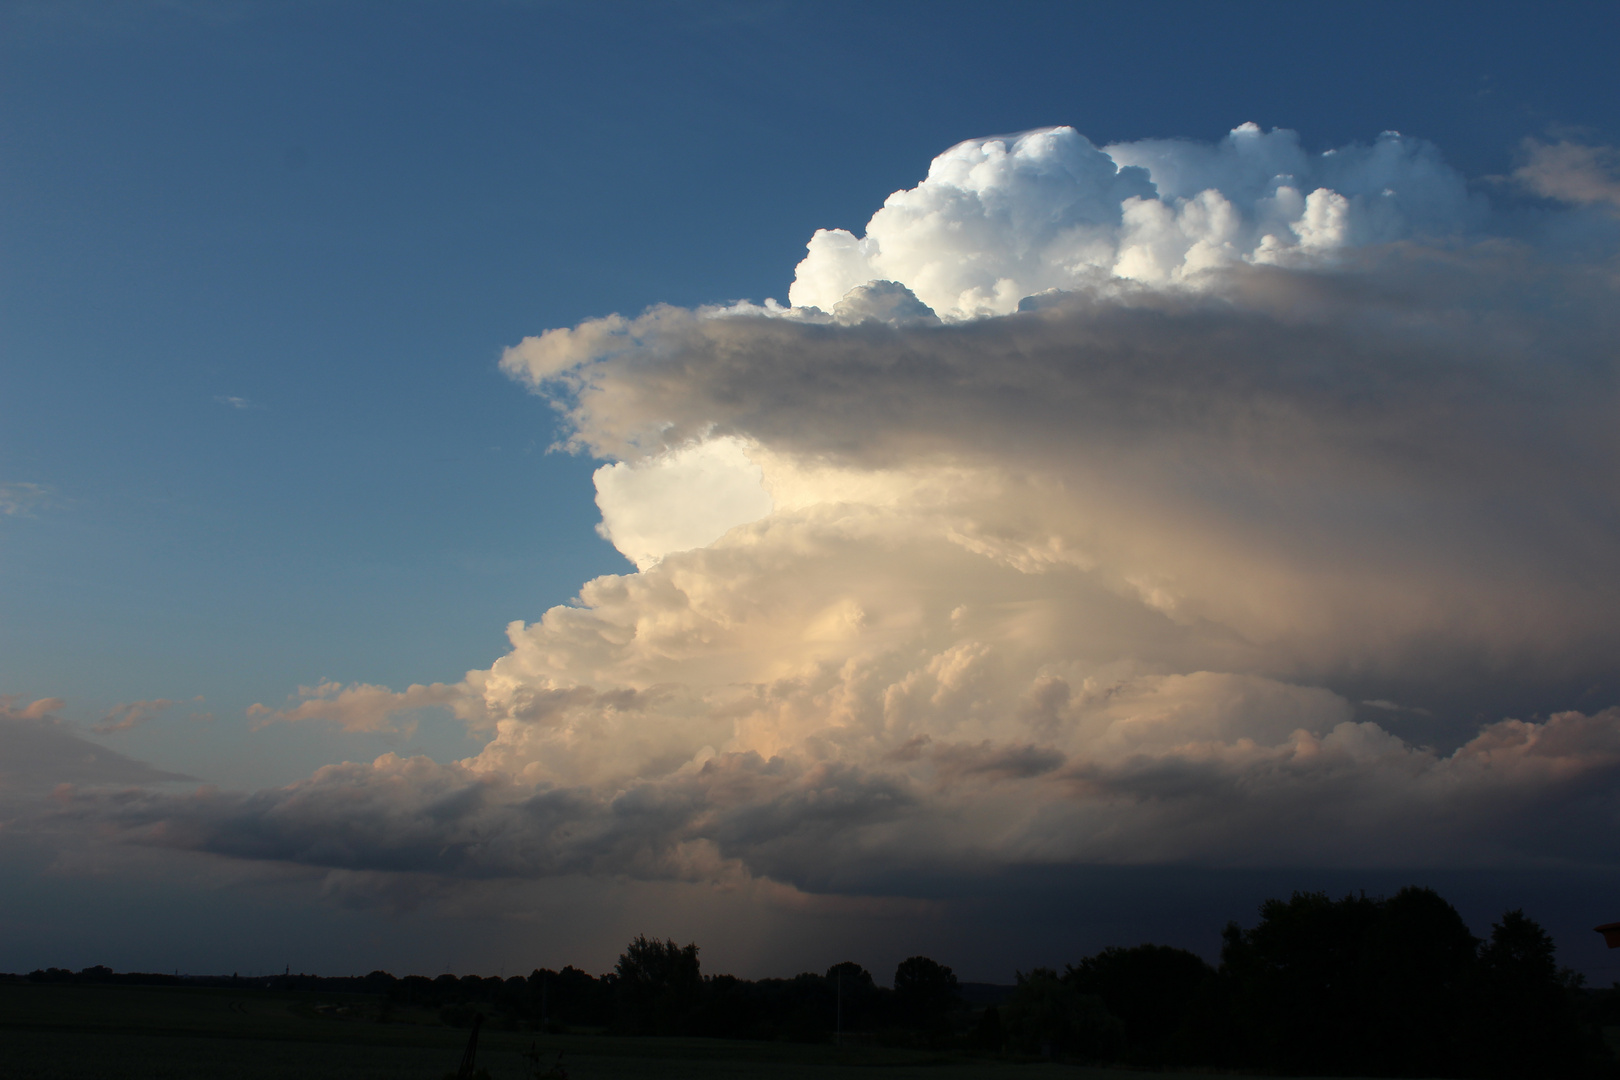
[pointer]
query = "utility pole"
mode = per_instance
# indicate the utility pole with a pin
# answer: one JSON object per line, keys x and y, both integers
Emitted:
{"x": 838, "y": 1035}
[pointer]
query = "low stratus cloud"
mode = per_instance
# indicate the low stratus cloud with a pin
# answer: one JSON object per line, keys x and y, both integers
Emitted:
{"x": 1051, "y": 523}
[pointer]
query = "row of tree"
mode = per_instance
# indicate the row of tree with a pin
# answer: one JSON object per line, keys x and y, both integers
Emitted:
{"x": 658, "y": 988}
{"x": 1353, "y": 986}
{"x": 1361, "y": 986}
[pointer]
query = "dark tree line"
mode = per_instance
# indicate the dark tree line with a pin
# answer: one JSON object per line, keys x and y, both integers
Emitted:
{"x": 1355, "y": 986}
{"x": 657, "y": 988}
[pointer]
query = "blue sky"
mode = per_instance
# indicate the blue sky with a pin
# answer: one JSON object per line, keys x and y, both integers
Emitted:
{"x": 259, "y": 263}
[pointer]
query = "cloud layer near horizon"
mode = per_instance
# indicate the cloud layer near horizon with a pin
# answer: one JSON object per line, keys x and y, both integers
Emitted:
{"x": 1048, "y": 526}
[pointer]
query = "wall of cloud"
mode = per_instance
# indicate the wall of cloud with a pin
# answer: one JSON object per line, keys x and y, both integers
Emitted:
{"x": 1055, "y": 520}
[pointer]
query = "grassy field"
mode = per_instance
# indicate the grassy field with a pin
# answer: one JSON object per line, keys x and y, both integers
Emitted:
{"x": 175, "y": 1033}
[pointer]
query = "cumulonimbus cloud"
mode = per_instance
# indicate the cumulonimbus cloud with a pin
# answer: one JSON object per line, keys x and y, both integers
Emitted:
{"x": 1048, "y": 525}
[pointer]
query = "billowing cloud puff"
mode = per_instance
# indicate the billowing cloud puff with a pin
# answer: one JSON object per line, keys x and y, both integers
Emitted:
{"x": 687, "y": 498}
{"x": 1065, "y": 517}
{"x": 1000, "y": 219}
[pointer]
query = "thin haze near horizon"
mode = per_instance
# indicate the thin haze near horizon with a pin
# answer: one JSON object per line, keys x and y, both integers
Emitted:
{"x": 480, "y": 482}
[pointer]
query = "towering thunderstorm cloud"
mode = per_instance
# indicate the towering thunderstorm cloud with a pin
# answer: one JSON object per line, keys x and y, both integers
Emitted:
{"x": 1154, "y": 502}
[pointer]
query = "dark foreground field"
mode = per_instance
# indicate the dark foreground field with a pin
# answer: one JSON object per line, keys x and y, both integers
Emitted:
{"x": 177, "y": 1033}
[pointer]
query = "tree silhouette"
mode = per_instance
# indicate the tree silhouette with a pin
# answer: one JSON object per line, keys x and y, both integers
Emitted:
{"x": 924, "y": 993}
{"x": 657, "y": 985}
{"x": 1297, "y": 981}
{"x": 1047, "y": 1016}
{"x": 854, "y": 994}
{"x": 1417, "y": 986}
{"x": 1164, "y": 997}
{"x": 1527, "y": 1024}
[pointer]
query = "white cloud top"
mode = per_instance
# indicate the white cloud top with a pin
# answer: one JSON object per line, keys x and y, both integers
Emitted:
{"x": 1000, "y": 219}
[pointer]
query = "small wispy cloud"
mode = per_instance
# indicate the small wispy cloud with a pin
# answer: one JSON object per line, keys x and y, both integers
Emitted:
{"x": 360, "y": 707}
{"x": 233, "y": 401}
{"x": 1571, "y": 172}
{"x": 1390, "y": 706}
{"x": 19, "y": 498}
{"x": 122, "y": 717}
{"x": 45, "y": 709}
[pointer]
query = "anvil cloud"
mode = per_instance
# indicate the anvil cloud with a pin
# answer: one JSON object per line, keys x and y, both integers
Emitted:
{"x": 1059, "y": 518}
